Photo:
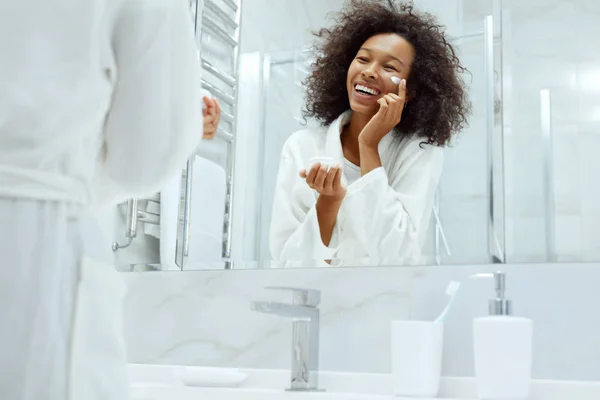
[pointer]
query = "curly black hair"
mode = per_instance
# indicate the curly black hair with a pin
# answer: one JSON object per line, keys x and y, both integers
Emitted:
{"x": 440, "y": 105}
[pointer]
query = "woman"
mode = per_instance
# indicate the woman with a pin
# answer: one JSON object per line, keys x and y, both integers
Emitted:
{"x": 99, "y": 101}
{"x": 374, "y": 204}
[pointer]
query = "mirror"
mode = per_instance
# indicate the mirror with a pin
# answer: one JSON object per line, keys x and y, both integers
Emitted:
{"x": 512, "y": 182}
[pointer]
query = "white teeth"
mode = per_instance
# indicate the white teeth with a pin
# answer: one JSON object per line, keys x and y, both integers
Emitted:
{"x": 365, "y": 89}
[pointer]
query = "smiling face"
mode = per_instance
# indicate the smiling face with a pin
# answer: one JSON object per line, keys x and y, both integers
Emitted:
{"x": 370, "y": 74}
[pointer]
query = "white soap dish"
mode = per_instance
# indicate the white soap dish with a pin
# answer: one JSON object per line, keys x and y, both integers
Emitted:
{"x": 210, "y": 377}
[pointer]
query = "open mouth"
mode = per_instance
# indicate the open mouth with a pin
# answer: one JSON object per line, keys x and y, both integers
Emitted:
{"x": 362, "y": 89}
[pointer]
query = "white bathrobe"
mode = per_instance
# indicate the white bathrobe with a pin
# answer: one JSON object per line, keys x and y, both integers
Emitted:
{"x": 384, "y": 216}
{"x": 99, "y": 101}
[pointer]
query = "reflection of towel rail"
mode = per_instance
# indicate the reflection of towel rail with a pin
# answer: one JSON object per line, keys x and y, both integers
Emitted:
{"x": 231, "y": 5}
{"x": 133, "y": 216}
{"x": 224, "y": 135}
{"x": 206, "y": 66}
{"x": 226, "y": 117}
{"x": 218, "y": 93}
{"x": 219, "y": 32}
{"x": 221, "y": 14}
{"x": 131, "y": 225}
{"x": 148, "y": 217}
{"x": 211, "y": 27}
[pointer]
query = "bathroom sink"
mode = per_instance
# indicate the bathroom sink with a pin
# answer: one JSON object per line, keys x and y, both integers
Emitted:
{"x": 165, "y": 383}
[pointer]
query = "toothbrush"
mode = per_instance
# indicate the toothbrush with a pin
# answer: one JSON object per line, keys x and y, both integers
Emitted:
{"x": 452, "y": 291}
{"x": 441, "y": 230}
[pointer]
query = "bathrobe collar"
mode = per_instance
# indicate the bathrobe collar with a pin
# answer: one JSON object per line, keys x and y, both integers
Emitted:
{"x": 333, "y": 145}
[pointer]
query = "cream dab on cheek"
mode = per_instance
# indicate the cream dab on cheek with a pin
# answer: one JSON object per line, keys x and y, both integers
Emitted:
{"x": 396, "y": 80}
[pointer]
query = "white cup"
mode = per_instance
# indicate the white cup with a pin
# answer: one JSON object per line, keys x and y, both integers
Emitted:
{"x": 417, "y": 357}
{"x": 324, "y": 161}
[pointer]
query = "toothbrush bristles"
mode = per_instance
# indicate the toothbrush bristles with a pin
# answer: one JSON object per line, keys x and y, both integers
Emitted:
{"x": 451, "y": 291}
{"x": 452, "y": 288}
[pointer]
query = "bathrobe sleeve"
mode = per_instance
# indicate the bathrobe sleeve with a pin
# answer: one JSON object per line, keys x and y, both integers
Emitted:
{"x": 295, "y": 234}
{"x": 388, "y": 218}
{"x": 155, "y": 120}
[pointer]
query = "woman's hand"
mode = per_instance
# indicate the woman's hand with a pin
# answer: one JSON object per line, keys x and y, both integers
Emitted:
{"x": 390, "y": 112}
{"x": 326, "y": 183}
{"x": 211, "y": 116}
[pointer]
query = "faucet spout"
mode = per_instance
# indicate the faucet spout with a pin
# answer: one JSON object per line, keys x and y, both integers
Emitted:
{"x": 297, "y": 313}
{"x": 305, "y": 317}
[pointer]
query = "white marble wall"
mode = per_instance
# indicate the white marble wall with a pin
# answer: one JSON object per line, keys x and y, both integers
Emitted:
{"x": 204, "y": 318}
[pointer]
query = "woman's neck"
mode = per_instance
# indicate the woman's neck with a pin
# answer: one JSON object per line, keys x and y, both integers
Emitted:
{"x": 349, "y": 137}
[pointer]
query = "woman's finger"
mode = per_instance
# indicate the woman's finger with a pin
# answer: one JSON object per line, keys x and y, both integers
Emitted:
{"x": 208, "y": 133}
{"x": 205, "y": 106}
{"x": 211, "y": 106}
{"x": 337, "y": 180}
{"x": 328, "y": 184}
{"x": 213, "y": 110}
{"x": 396, "y": 105}
{"x": 402, "y": 89}
{"x": 390, "y": 100}
{"x": 320, "y": 179}
{"x": 303, "y": 174}
{"x": 217, "y": 114}
{"x": 312, "y": 174}
{"x": 383, "y": 107}
{"x": 208, "y": 103}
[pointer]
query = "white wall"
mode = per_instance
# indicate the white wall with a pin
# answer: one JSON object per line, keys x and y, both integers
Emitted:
{"x": 275, "y": 25}
{"x": 204, "y": 318}
{"x": 553, "y": 45}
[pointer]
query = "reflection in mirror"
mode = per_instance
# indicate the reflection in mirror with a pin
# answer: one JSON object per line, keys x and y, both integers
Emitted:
{"x": 387, "y": 92}
{"x": 306, "y": 171}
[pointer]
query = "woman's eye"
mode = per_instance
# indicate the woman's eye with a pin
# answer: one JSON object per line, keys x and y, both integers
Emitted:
{"x": 391, "y": 67}
{"x": 362, "y": 59}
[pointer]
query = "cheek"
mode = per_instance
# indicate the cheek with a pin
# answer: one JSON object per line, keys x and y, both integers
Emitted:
{"x": 390, "y": 86}
{"x": 353, "y": 71}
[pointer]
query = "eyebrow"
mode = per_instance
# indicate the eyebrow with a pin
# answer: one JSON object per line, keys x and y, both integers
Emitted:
{"x": 389, "y": 55}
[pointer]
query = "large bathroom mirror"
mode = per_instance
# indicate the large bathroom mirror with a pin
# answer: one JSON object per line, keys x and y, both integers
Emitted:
{"x": 516, "y": 183}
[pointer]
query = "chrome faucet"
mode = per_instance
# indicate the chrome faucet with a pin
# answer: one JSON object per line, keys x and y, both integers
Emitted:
{"x": 304, "y": 313}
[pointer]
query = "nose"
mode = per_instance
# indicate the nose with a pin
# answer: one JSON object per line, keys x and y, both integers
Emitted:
{"x": 369, "y": 73}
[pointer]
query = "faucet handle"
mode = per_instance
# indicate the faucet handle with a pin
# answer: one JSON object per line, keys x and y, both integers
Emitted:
{"x": 301, "y": 297}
